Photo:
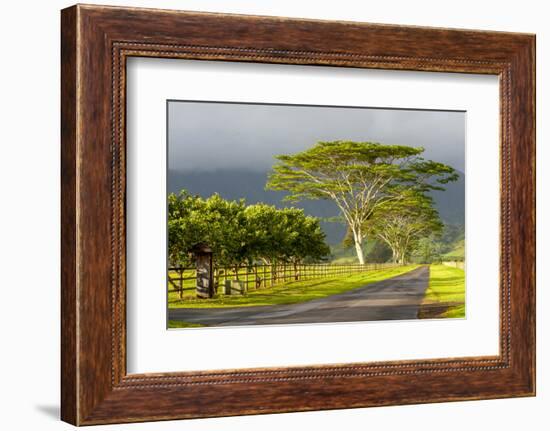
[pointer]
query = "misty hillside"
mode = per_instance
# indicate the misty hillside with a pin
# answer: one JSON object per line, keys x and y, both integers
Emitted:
{"x": 451, "y": 202}
{"x": 237, "y": 184}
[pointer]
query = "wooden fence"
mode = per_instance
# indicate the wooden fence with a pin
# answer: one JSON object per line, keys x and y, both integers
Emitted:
{"x": 260, "y": 276}
{"x": 454, "y": 263}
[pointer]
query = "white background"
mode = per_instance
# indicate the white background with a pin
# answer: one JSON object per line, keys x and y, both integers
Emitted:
{"x": 151, "y": 348}
{"x": 29, "y": 225}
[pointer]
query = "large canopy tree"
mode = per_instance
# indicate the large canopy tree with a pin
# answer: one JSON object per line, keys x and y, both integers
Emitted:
{"x": 358, "y": 176}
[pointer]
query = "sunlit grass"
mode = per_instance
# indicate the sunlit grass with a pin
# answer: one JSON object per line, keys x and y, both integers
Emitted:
{"x": 291, "y": 292}
{"x": 446, "y": 292}
{"x": 458, "y": 311}
{"x": 179, "y": 324}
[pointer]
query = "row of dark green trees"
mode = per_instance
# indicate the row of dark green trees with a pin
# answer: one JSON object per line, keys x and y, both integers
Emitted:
{"x": 241, "y": 234}
{"x": 382, "y": 192}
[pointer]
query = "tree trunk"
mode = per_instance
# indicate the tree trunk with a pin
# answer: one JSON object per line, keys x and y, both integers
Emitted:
{"x": 394, "y": 253}
{"x": 216, "y": 279}
{"x": 401, "y": 260}
{"x": 358, "y": 241}
{"x": 359, "y": 251}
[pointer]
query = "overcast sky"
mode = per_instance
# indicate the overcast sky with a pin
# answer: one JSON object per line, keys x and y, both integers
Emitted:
{"x": 210, "y": 136}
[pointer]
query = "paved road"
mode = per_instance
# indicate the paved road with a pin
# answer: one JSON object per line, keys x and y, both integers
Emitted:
{"x": 397, "y": 298}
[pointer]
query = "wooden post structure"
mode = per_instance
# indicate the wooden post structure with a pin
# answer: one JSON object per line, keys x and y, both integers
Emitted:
{"x": 203, "y": 261}
{"x": 180, "y": 273}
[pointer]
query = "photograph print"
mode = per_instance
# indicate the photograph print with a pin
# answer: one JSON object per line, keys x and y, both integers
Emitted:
{"x": 299, "y": 214}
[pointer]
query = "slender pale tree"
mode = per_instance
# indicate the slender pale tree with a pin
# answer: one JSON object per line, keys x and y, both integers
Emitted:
{"x": 403, "y": 223}
{"x": 358, "y": 177}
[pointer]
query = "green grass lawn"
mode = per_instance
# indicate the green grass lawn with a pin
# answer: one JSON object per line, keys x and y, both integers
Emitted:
{"x": 179, "y": 324}
{"x": 457, "y": 253}
{"x": 291, "y": 292}
{"x": 445, "y": 296}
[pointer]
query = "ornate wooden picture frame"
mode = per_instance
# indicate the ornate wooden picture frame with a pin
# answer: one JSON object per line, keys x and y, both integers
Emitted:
{"x": 96, "y": 41}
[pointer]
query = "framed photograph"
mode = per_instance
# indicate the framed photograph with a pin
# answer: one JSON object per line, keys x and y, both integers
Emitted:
{"x": 352, "y": 214}
{"x": 264, "y": 214}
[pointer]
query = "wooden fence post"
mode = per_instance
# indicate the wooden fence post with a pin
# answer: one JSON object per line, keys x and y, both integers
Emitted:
{"x": 180, "y": 272}
{"x": 203, "y": 263}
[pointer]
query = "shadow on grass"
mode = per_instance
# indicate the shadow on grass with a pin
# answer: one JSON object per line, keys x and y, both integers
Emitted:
{"x": 445, "y": 296}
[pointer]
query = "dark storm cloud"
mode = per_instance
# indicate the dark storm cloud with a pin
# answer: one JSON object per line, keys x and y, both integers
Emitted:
{"x": 213, "y": 136}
